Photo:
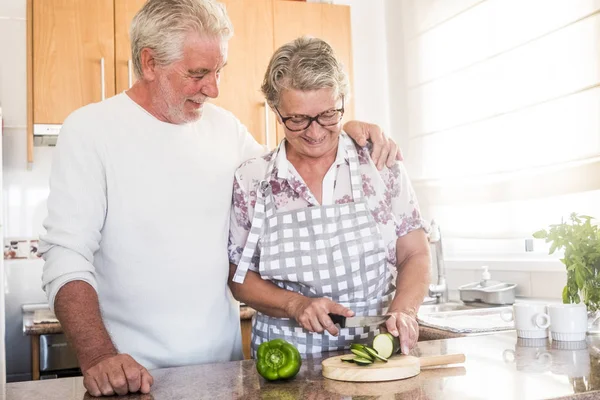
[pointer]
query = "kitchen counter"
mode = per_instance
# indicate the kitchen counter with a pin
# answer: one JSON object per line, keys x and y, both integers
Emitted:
{"x": 425, "y": 333}
{"x": 428, "y": 333}
{"x": 50, "y": 325}
{"x": 29, "y": 328}
{"x": 246, "y": 313}
{"x": 498, "y": 366}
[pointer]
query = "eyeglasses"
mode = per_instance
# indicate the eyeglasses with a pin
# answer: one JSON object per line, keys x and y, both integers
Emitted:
{"x": 297, "y": 123}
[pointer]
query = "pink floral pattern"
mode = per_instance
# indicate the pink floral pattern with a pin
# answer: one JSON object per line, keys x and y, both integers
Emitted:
{"x": 389, "y": 195}
{"x": 367, "y": 187}
{"x": 346, "y": 199}
{"x": 240, "y": 204}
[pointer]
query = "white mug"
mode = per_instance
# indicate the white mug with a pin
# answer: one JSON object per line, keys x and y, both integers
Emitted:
{"x": 569, "y": 321}
{"x": 531, "y": 320}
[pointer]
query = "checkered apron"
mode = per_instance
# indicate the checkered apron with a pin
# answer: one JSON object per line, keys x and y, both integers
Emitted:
{"x": 333, "y": 251}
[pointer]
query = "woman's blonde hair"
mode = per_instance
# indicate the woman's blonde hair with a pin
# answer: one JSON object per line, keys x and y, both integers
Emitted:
{"x": 162, "y": 25}
{"x": 306, "y": 63}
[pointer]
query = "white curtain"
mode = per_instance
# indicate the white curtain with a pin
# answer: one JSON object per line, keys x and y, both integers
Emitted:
{"x": 503, "y": 115}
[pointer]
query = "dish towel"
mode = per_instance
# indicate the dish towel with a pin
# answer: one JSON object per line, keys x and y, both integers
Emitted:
{"x": 468, "y": 321}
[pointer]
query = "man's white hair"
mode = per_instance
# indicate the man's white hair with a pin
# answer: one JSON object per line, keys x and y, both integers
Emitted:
{"x": 162, "y": 26}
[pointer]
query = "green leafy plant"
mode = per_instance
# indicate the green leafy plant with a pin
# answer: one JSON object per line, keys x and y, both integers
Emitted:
{"x": 580, "y": 240}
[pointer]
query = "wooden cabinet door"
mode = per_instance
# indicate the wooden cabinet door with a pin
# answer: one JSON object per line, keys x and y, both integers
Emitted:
{"x": 125, "y": 10}
{"x": 294, "y": 19}
{"x": 73, "y": 56}
{"x": 249, "y": 53}
{"x": 325, "y": 21}
{"x": 338, "y": 33}
{"x": 246, "y": 326}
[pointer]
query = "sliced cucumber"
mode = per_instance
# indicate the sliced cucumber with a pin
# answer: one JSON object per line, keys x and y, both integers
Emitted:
{"x": 373, "y": 353}
{"x": 362, "y": 354}
{"x": 349, "y": 359}
{"x": 362, "y": 361}
{"x": 386, "y": 345}
{"x": 357, "y": 346}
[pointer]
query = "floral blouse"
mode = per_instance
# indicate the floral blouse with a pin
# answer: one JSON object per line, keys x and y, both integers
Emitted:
{"x": 389, "y": 195}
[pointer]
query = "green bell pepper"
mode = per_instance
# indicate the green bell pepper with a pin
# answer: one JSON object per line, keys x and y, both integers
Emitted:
{"x": 277, "y": 359}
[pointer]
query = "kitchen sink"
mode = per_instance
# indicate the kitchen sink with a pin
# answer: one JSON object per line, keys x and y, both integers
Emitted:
{"x": 460, "y": 319}
{"x": 451, "y": 306}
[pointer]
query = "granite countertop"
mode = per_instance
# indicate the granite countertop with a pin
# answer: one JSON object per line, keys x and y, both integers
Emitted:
{"x": 428, "y": 333}
{"x": 29, "y": 328}
{"x": 498, "y": 366}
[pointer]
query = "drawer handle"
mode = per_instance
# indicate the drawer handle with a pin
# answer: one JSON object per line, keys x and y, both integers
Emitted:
{"x": 102, "y": 83}
{"x": 267, "y": 135}
{"x": 130, "y": 73}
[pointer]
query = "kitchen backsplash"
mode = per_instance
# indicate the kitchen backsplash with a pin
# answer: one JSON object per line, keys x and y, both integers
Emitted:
{"x": 21, "y": 248}
{"x": 538, "y": 284}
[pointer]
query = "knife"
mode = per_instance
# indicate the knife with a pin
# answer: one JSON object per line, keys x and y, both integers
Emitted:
{"x": 354, "y": 322}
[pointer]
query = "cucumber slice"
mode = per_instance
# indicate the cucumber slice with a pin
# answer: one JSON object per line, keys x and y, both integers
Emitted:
{"x": 386, "y": 345}
{"x": 362, "y": 354}
{"x": 357, "y": 346}
{"x": 362, "y": 361}
{"x": 349, "y": 359}
{"x": 372, "y": 352}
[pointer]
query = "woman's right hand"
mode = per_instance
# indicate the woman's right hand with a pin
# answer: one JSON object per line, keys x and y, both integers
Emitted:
{"x": 312, "y": 313}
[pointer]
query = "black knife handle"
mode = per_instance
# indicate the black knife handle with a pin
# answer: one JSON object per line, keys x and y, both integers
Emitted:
{"x": 338, "y": 319}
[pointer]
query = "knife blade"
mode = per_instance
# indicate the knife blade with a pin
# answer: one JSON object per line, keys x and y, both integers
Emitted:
{"x": 354, "y": 322}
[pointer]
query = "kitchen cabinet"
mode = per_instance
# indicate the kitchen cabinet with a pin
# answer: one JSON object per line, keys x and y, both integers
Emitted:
{"x": 325, "y": 21}
{"x": 73, "y": 56}
{"x": 125, "y": 10}
{"x": 81, "y": 54}
{"x": 246, "y": 328}
{"x": 249, "y": 53}
{"x": 70, "y": 59}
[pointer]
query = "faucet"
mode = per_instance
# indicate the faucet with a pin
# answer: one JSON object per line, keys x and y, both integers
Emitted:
{"x": 438, "y": 292}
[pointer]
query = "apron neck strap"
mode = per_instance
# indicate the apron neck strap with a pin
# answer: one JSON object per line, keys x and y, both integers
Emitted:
{"x": 355, "y": 178}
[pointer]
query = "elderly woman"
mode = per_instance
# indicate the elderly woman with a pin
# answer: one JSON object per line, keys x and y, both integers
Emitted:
{"x": 315, "y": 228}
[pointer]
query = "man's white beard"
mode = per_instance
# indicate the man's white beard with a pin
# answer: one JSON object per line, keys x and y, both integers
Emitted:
{"x": 174, "y": 115}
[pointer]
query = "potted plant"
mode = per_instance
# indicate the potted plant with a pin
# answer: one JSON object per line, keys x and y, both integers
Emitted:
{"x": 580, "y": 240}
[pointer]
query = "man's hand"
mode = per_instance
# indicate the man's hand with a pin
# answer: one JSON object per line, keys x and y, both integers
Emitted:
{"x": 312, "y": 314}
{"x": 404, "y": 325}
{"x": 117, "y": 374}
{"x": 385, "y": 150}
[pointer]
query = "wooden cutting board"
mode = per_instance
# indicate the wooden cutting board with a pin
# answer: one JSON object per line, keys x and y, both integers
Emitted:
{"x": 397, "y": 367}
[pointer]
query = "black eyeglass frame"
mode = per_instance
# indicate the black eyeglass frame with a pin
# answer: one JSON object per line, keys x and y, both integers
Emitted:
{"x": 312, "y": 119}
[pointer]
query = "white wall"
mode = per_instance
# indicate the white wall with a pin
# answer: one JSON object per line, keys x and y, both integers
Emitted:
{"x": 396, "y": 75}
{"x": 25, "y": 191}
{"x": 371, "y": 92}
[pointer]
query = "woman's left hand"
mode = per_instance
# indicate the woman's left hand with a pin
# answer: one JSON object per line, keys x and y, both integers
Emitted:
{"x": 405, "y": 326}
{"x": 385, "y": 150}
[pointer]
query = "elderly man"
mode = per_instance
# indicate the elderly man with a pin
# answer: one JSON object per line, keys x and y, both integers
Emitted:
{"x": 140, "y": 191}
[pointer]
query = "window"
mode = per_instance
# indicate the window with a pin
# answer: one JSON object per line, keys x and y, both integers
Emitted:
{"x": 503, "y": 118}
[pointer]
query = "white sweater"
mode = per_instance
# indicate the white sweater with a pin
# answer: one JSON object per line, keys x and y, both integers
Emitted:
{"x": 139, "y": 209}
